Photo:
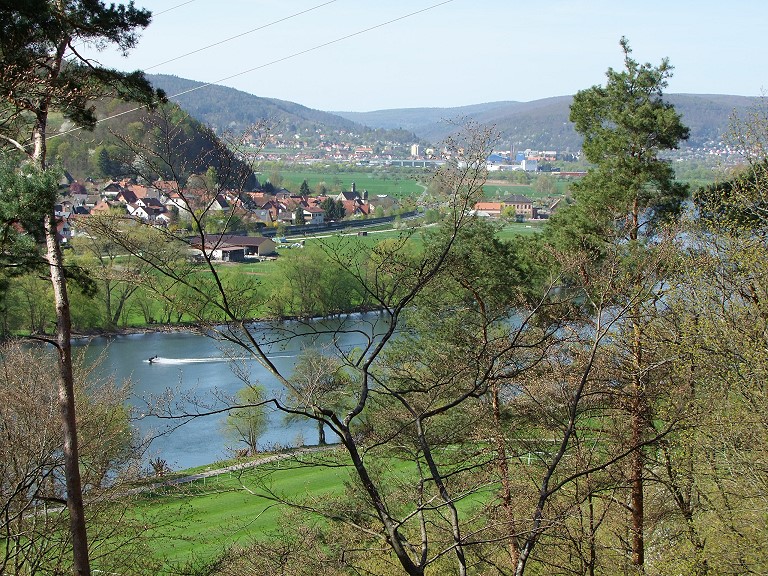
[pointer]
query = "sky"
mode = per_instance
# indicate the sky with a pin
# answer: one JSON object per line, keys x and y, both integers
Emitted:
{"x": 365, "y": 55}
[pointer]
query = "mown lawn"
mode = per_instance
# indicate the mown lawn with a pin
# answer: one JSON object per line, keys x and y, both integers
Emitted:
{"x": 498, "y": 190}
{"x": 376, "y": 184}
{"x": 201, "y": 519}
{"x": 520, "y": 228}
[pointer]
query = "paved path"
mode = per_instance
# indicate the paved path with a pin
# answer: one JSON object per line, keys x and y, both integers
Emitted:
{"x": 233, "y": 468}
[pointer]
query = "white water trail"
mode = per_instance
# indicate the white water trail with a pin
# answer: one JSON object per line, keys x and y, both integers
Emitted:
{"x": 180, "y": 361}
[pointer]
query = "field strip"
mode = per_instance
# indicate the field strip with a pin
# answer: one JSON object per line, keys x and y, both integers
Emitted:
{"x": 233, "y": 468}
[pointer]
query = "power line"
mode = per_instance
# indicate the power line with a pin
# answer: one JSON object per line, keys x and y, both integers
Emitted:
{"x": 174, "y": 7}
{"x": 241, "y": 34}
{"x": 154, "y": 14}
{"x": 318, "y": 47}
{"x": 273, "y": 62}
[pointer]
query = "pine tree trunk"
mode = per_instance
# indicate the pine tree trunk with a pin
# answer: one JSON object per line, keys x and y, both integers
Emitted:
{"x": 66, "y": 399}
{"x": 636, "y": 463}
{"x": 65, "y": 377}
{"x": 506, "y": 488}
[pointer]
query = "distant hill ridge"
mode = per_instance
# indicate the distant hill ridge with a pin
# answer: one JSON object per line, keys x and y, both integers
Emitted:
{"x": 539, "y": 124}
{"x": 229, "y": 110}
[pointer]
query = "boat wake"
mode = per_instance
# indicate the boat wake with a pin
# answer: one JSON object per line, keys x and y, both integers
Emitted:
{"x": 181, "y": 361}
{"x": 167, "y": 361}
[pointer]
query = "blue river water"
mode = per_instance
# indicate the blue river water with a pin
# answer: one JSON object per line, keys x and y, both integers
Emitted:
{"x": 188, "y": 364}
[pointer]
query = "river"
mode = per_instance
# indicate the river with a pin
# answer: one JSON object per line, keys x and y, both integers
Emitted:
{"x": 191, "y": 364}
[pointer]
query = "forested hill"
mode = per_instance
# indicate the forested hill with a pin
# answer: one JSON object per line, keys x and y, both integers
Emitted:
{"x": 539, "y": 124}
{"x": 228, "y": 110}
{"x": 544, "y": 123}
{"x": 145, "y": 137}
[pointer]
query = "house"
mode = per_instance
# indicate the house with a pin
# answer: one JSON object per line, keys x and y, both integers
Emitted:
{"x": 181, "y": 201}
{"x": 314, "y": 215}
{"x": 126, "y": 196}
{"x": 262, "y": 215}
{"x": 286, "y": 217}
{"x": 166, "y": 187}
{"x": 219, "y": 203}
{"x": 229, "y": 247}
{"x": 523, "y": 206}
{"x": 111, "y": 189}
{"x": 347, "y": 196}
{"x": 143, "y": 191}
{"x": 103, "y": 206}
{"x": 63, "y": 230}
{"x": 147, "y": 213}
{"x": 273, "y": 207}
{"x": 489, "y": 209}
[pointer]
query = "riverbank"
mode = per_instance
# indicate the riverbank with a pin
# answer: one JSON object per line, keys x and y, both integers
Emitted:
{"x": 202, "y": 328}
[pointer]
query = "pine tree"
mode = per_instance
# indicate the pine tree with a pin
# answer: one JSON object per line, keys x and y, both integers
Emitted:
{"x": 42, "y": 70}
{"x": 626, "y": 124}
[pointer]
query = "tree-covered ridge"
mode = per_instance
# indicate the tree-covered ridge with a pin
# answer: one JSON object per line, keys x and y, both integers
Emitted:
{"x": 544, "y": 123}
{"x": 101, "y": 153}
{"x": 229, "y": 110}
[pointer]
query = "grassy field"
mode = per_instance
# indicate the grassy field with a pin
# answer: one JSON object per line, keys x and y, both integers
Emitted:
{"x": 501, "y": 189}
{"x": 267, "y": 276}
{"x": 520, "y": 228}
{"x": 405, "y": 186}
{"x": 201, "y": 519}
{"x": 375, "y": 183}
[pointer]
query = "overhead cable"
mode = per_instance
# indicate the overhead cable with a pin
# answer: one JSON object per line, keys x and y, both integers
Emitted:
{"x": 273, "y": 62}
{"x": 241, "y": 34}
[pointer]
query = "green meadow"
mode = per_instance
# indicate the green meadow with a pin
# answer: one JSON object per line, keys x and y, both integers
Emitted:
{"x": 502, "y": 190}
{"x": 376, "y": 183}
{"x": 201, "y": 519}
{"x": 198, "y": 521}
{"x": 267, "y": 276}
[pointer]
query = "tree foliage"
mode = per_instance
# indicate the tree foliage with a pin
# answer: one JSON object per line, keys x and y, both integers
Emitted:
{"x": 618, "y": 208}
{"x": 248, "y": 423}
{"x": 626, "y": 125}
{"x": 33, "y": 522}
{"x": 26, "y": 196}
{"x": 42, "y": 71}
{"x": 334, "y": 209}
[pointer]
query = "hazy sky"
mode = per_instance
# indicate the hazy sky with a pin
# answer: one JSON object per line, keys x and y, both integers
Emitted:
{"x": 362, "y": 55}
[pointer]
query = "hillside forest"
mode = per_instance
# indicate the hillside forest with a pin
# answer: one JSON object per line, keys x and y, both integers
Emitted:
{"x": 587, "y": 400}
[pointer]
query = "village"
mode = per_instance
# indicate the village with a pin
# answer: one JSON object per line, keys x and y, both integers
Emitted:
{"x": 252, "y": 223}
{"x": 166, "y": 204}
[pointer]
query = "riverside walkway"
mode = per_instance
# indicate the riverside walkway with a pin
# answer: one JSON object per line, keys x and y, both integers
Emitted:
{"x": 229, "y": 469}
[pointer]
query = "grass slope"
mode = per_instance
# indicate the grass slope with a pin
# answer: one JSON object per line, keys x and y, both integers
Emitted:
{"x": 202, "y": 519}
